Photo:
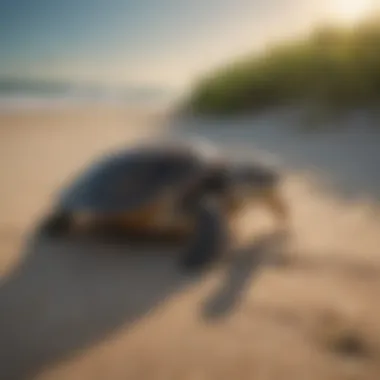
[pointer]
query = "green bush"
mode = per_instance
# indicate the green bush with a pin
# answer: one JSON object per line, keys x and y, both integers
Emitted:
{"x": 333, "y": 67}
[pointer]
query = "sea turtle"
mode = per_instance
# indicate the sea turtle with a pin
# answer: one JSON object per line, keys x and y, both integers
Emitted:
{"x": 188, "y": 189}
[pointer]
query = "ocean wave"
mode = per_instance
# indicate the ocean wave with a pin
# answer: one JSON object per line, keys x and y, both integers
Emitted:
{"x": 31, "y": 98}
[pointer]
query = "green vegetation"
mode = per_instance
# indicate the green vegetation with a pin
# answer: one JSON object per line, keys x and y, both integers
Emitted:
{"x": 332, "y": 67}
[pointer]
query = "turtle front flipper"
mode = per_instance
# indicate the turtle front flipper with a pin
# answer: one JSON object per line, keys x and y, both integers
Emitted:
{"x": 210, "y": 236}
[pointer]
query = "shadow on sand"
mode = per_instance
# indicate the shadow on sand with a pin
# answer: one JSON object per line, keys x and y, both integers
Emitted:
{"x": 69, "y": 295}
{"x": 269, "y": 249}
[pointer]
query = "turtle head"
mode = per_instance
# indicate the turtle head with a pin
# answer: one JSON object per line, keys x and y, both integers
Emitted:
{"x": 255, "y": 183}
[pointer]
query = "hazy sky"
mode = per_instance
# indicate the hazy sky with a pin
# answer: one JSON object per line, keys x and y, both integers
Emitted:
{"x": 139, "y": 41}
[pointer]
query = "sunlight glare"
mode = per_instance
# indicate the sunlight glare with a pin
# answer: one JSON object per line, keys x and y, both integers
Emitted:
{"x": 350, "y": 11}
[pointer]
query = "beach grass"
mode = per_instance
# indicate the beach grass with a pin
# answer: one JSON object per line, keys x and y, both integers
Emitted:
{"x": 334, "y": 67}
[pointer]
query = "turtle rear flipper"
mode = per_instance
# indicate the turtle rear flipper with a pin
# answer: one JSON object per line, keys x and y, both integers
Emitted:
{"x": 209, "y": 238}
{"x": 56, "y": 224}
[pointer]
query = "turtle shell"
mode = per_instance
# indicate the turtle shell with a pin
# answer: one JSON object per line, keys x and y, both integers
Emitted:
{"x": 128, "y": 180}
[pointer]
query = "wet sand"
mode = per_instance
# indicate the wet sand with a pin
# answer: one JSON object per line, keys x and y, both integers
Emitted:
{"x": 303, "y": 308}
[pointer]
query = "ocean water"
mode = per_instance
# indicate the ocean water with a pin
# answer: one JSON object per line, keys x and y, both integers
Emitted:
{"x": 26, "y": 95}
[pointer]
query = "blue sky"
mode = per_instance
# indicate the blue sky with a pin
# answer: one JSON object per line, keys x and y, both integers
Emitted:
{"x": 139, "y": 41}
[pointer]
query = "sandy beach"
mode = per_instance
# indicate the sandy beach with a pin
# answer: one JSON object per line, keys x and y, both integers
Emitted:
{"x": 304, "y": 308}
